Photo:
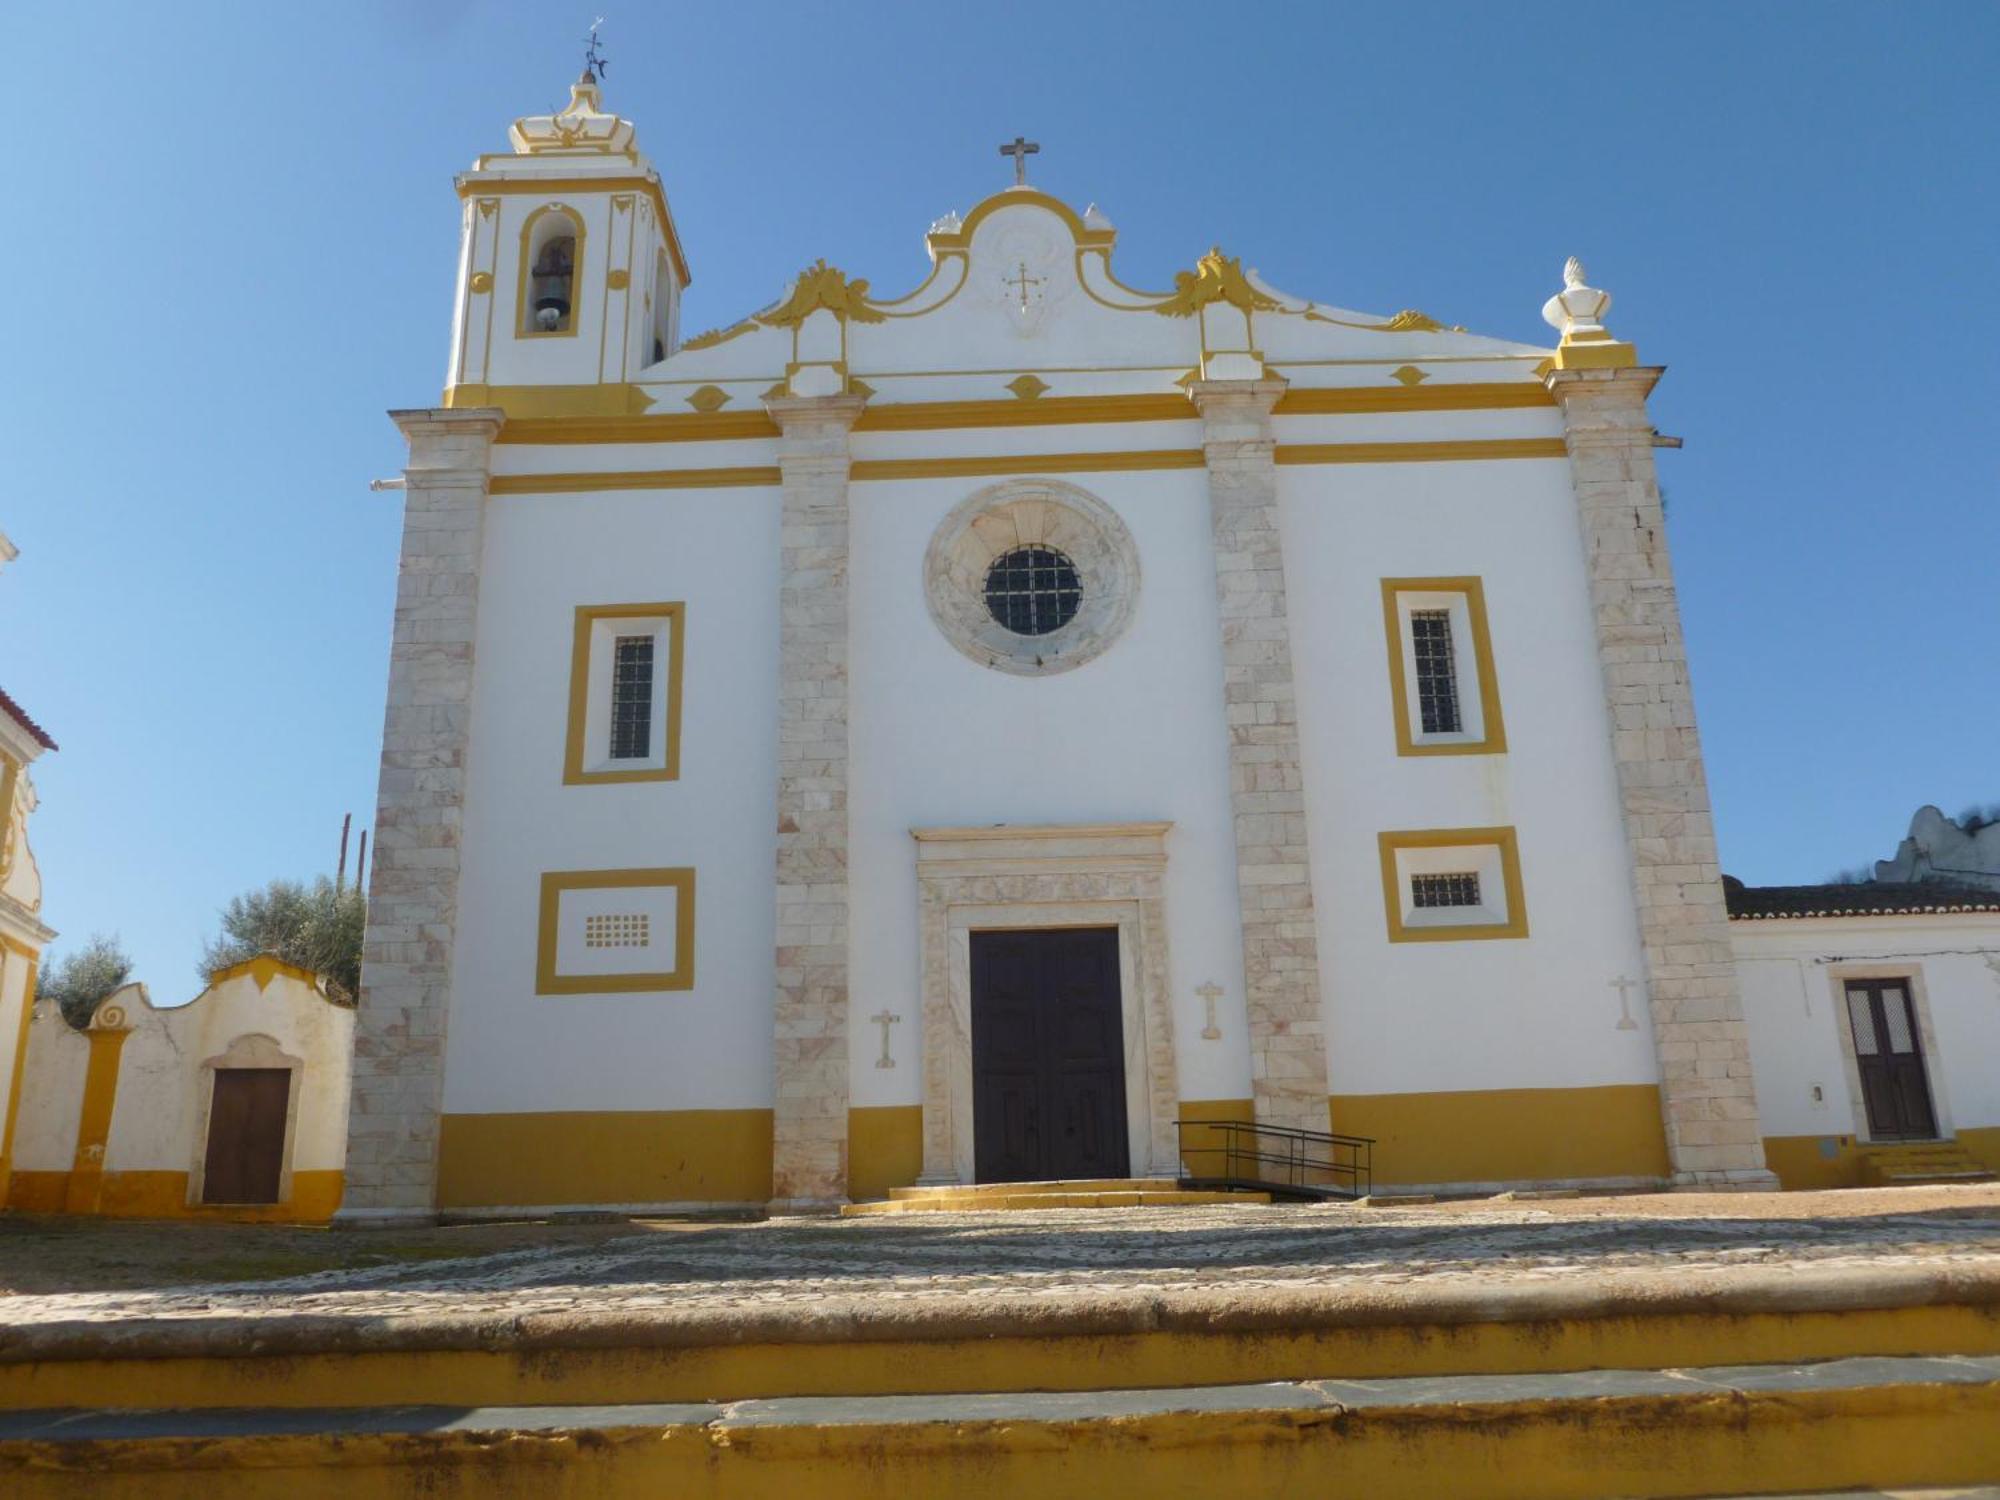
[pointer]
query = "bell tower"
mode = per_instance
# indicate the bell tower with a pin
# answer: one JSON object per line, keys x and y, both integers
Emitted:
{"x": 570, "y": 273}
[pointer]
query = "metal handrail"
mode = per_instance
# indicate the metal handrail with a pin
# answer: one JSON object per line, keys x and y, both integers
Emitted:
{"x": 1306, "y": 1163}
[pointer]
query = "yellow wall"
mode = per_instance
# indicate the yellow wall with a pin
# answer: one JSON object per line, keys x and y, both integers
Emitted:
{"x": 1509, "y": 1135}
{"x": 614, "y": 1156}
{"x": 164, "y": 1195}
{"x": 885, "y": 1149}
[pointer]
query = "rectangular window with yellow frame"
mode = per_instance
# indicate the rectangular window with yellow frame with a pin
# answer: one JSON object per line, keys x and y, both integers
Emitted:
{"x": 1452, "y": 885}
{"x": 625, "y": 694}
{"x": 1444, "y": 692}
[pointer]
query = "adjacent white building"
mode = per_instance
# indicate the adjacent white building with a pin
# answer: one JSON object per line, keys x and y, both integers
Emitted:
{"x": 966, "y": 732}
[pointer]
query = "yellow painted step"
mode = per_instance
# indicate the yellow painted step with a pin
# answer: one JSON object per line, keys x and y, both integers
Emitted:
{"x": 1645, "y": 1434}
{"x": 990, "y": 1201}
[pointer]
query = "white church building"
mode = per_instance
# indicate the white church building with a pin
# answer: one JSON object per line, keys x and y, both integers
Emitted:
{"x": 968, "y": 733}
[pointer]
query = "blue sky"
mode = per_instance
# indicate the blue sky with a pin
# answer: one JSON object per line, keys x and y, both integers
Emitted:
{"x": 232, "y": 235}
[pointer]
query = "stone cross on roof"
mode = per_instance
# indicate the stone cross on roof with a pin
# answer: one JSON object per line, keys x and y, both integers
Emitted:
{"x": 1021, "y": 149}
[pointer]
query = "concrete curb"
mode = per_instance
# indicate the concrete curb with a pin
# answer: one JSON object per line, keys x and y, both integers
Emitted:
{"x": 1729, "y": 1292}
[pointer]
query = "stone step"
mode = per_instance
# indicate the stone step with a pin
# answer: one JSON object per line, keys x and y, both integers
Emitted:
{"x": 1010, "y": 1199}
{"x": 1838, "y": 1425}
{"x": 1069, "y": 1185}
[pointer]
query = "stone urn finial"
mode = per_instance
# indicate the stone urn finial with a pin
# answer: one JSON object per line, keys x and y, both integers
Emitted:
{"x": 1577, "y": 311}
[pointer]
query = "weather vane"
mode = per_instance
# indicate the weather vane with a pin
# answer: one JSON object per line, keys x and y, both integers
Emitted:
{"x": 593, "y": 60}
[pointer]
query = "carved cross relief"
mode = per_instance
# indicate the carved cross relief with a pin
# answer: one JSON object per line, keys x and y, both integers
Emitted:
{"x": 885, "y": 1019}
{"x": 1210, "y": 993}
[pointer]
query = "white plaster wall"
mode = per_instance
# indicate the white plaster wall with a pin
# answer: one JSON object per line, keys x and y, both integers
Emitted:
{"x": 51, "y": 1094}
{"x": 161, "y": 1079}
{"x": 1135, "y": 734}
{"x": 1538, "y": 1012}
{"x": 509, "y": 1049}
{"x": 1792, "y": 999}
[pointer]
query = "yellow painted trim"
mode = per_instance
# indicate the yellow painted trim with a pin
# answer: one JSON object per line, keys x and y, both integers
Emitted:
{"x": 17, "y": 1073}
{"x": 1026, "y": 463}
{"x": 1142, "y": 459}
{"x": 960, "y": 239}
{"x": 263, "y": 967}
{"x": 164, "y": 1195}
{"x": 1446, "y": 451}
{"x": 652, "y": 427}
{"x": 555, "y": 882}
{"x": 885, "y": 1149}
{"x": 93, "y": 1129}
{"x": 616, "y": 413}
{"x": 1343, "y": 400}
{"x": 635, "y": 479}
{"x": 15, "y": 945}
{"x": 486, "y": 187}
{"x": 1516, "y": 925}
{"x": 576, "y": 275}
{"x": 1474, "y": 593}
{"x": 1043, "y": 411}
{"x": 604, "y": 1156}
{"x": 550, "y": 402}
{"x": 1595, "y": 354}
{"x": 579, "y": 691}
{"x": 1509, "y": 1135}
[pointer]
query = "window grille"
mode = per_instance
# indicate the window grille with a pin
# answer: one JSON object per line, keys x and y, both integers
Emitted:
{"x": 1437, "y": 671}
{"x": 632, "y": 697}
{"x": 618, "y": 930}
{"x": 1033, "y": 590}
{"x": 1460, "y": 888}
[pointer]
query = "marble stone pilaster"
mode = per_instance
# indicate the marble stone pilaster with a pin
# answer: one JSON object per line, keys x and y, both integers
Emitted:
{"x": 406, "y": 955}
{"x": 809, "y": 1026}
{"x": 1714, "y": 1139}
{"x": 1281, "y": 974}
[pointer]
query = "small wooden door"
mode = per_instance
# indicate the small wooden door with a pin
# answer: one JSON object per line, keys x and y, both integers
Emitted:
{"x": 1894, "y": 1087}
{"x": 1048, "y": 1056}
{"x": 246, "y": 1135}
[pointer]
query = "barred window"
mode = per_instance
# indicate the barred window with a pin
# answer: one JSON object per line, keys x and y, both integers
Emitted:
{"x": 1456, "y": 889}
{"x": 618, "y": 930}
{"x": 632, "y": 697}
{"x": 1437, "y": 671}
{"x": 1033, "y": 590}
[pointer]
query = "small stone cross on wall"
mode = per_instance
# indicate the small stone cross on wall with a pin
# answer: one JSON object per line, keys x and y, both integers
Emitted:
{"x": 1210, "y": 993}
{"x": 1624, "y": 986}
{"x": 885, "y": 1019}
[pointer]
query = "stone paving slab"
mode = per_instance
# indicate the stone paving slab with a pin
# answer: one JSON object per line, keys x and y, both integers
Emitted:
{"x": 1065, "y": 1266}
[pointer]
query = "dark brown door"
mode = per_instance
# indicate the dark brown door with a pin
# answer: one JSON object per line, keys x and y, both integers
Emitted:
{"x": 246, "y": 1135}
{"x": 1893, "y": 1084}
{"x": 1048, "y": 1056}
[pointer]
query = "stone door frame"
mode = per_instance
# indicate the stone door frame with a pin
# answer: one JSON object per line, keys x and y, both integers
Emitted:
{"x": 1008, "y": 878}
{"x": 253, "y": 1049}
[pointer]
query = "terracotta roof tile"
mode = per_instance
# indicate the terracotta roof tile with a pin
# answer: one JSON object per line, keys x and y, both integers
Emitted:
{"x": 19, "y": 715}
{"x": 1873, "y": 898}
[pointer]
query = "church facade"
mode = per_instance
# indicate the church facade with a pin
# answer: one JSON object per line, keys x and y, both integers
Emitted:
{"x": 965, "y": 734}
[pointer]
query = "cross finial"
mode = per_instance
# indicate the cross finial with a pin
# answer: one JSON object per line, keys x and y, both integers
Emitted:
{"x": 1020, "y": 149}
{"x": 593, "y": 59}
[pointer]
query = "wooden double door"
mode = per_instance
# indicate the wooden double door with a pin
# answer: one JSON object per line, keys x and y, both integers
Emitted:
{"x": 245, "y": 1159}
{"x": 1889, "y": 1054}
{"x": 1048, "y": 1056}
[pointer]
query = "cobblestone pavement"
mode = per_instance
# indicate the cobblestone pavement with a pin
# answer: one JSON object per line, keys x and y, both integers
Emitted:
{"x": 937, "y": 1257}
